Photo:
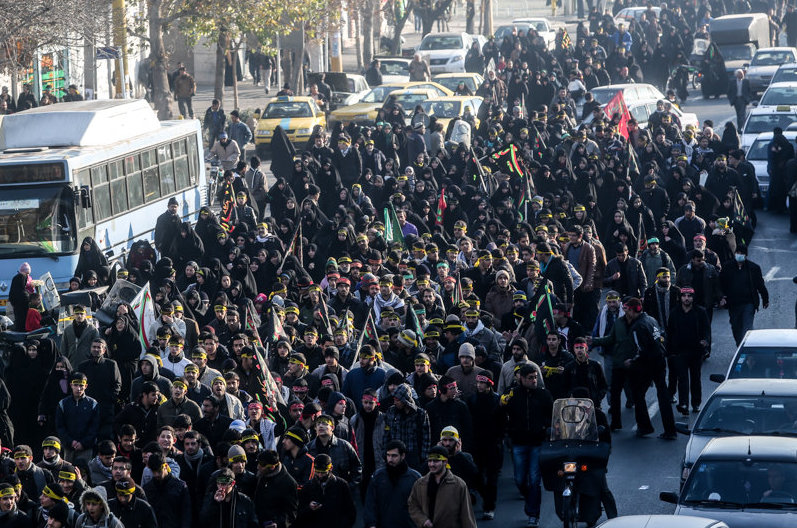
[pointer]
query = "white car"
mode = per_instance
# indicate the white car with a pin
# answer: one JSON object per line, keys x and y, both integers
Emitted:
{"x": 757, "y": 156}
{"x": 641, "y": 111}
{"x": 786, "y": 73}
{"x": 445, "y": 52}
{"x": 765, "y": 120}
{"x": 394, "y": 69}
{"x": 543, "y": 28}
{"x": 769, "y": 353}
{"x": 633, "y": 13}
{"x": 661, "y": 521}
{"x": 764, "y": 65}
{"x": 631, "y": 92}
{"x": 779, "y": 94}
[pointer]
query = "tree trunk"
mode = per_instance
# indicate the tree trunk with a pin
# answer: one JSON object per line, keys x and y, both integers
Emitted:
{"x": 398, "y": 27}
{"x": 368, "y": 32}
{"x": 234, "y": 62}
{"x": 218, "y": 81}
{"x": 470, "y": 14}
{"x": 160, "y": 81}
{"x": 358, "y": 47}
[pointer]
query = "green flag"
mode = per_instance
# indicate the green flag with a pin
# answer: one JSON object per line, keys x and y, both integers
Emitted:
{"x": 392, "y": 227}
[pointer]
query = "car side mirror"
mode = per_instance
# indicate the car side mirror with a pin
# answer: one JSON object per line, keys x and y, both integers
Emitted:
{"x": 682, "y": 427}
{"x": 669, "y": 496}
{"x": 754, "y": 103}
{"x": 717, "y": 378}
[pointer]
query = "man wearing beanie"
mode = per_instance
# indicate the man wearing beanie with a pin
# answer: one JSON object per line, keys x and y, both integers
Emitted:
{"x": 276, "y": 496}
{"x": 344, "y": 457}
{"x": 519, "y": 348}
{"x": 465, "y": 373}
{"x": 408, "y": 422}
{"x": 440, "y": 499}
{"x": 326, "y": 500}
{"x": 51, "y": 455}
{"x": 295, "y": 458}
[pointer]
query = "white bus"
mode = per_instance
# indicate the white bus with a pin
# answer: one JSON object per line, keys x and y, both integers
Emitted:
{"x": 104, "y": 169}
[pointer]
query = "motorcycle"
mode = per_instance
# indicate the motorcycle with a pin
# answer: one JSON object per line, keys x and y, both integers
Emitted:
{"x": 573, "y": 462}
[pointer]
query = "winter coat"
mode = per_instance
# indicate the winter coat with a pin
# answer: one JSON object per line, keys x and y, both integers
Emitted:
{"x": 277, "y": 498}
{"x": 78, "y": 349}
{"x": 411, "y": 426}
{"x": 357, "y": 425}
{"x": 386, "y": 501}
{"x": 136, "y": 514}
{"x": 345, "y": 462}
{"x": 337, "y": 505}
{"x": 171, "y": 502}
{"x": 77, "y": 420}
{"x": 452, "y": 504}
{"x": 529, "y": 414}
{"x": 168, "y": 411}
{"x": 163, "y": 383}
{"x": 106, "y": 520}
{"x": 498, "y": 301}
{"x": 238, "y": 513}
{"x": 635, "y": 281}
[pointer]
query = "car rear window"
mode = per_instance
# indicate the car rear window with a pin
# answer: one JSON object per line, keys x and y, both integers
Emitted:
{"x": 765, "y": 362}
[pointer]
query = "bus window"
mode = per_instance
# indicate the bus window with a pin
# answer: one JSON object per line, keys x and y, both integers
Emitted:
{"x": 37, "y": 221}
{"x": 118, "y": 196}
{"x": 98, "y": 175}
{"x": 181, "y": 172}
{"x": 151, "y": 186}
{"x": 166, "y": 169}
{"x": 193, "y": 160}
{"x": 102, "y": 202}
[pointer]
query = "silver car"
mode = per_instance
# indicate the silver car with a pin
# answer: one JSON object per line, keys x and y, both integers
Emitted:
{"x": 744, "y": 481}
{"x": 764, "y": 65}
{"x": 742, "y": 407}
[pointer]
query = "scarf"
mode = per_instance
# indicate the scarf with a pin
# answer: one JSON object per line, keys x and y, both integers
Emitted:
{"x": 663, "y": 302}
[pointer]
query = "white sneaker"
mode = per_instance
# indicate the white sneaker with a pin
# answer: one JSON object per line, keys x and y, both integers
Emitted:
{"x": 533, "y": 523}
{"x": 488, "y": 515}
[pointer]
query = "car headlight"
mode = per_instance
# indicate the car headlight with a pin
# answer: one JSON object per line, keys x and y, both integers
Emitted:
{"x": 264, "y": 132}
{"x": 302, "y": 131}
{"x": 457, "y": 58}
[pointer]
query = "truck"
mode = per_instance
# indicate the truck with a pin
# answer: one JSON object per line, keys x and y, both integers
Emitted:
{"x": 738, "y": 37}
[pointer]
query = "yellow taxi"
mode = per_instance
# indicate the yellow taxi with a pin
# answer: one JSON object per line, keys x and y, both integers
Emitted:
{"x": 452, "y": 80}
{"x": 364, "y": 111}
{"x": 296, "y": 115}
{"x": 446, "y": 108}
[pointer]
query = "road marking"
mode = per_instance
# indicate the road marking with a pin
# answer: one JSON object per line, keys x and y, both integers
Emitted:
{"x": 653, "y": 410}
{"x": 771, "y": 273}
{"x": 645, "y": 487}
{"x": 771, "y": 250}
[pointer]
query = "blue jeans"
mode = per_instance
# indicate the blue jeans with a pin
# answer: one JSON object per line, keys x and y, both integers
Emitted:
{"x": 526, "y": 460}
{"x": 741, "y": 317}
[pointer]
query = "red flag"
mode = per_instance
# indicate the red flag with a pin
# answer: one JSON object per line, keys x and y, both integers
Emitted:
{"x": 441, "y": 207}
{"x": 617, "y": 106}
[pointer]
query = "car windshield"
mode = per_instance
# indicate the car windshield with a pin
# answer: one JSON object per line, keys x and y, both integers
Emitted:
{"x": 767, "y": 122}
{"x": 779, "y": 95}
{"x": 765, "y": 362}
{"x": 444, "y": 109}
{"x": 737, "y": 52}
{"x": 436, "y": 42}
{"x": 452, "y": 82}
{"x": 277, "y": 110}
{"x": 785, "y": 74}
{"x": 749, "y": 415}
{"x": 742, "y": 483}
{"x": 772, "y": 58}
{"x": 37, "y": 221}
{"x": 394, "y": 68}
{"x": 604, "y": 95}
{"x": 408, "y": 101}
{"x": 379, "y": 94}
{"x": 758, "y": 151}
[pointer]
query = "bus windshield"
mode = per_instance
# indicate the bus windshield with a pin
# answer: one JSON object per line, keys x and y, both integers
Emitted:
{"x": 37, "y": 221}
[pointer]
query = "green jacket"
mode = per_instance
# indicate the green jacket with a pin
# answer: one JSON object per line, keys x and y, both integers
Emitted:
{"x": 619, "y": 343}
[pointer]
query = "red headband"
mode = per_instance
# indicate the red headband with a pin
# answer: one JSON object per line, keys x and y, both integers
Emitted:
{"x": 484, "y": 379}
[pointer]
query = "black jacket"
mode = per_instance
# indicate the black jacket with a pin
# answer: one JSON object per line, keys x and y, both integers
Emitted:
{"x": 171, "y": 502}
{"x": 277, "y": 499}
{"x": 556, "y": 271}
{"x": 743, "y": 285}
{"x": 337, "y": 505}
{"x": 386, "y": 500}
{"x": 238, "y": 513}
{"x": 686, "y": 330}
{"x": 529, "y": 414}
{"x": 136, "y": 514}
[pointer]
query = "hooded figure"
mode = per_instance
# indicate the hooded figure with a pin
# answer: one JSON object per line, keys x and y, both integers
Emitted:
{"x": 91, "y": 259}
{"x": 56, "y": 388}
{"x": 187, "y": 246}
{"x": 26, "y": 376}
{"x": 409, "y": 423}
{"x": 124, "y": 348}
{"x": 95, "y": 511}
{"x": 150, "y": 363}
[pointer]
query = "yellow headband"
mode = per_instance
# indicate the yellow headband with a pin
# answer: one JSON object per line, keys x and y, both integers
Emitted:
{"x": 52, "y": 443}
{"x": 50, "y": 493}
{"x": 128, "y": 491}
{"x": 436, "y": 456}
{"x": 179, "y": 384}
{"x": 293, "y": 435}
{"x": 67, "y": 475}
{"x": 7, "y": 492}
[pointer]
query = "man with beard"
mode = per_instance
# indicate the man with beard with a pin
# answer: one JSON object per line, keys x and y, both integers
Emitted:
{"x": 460, "y": 462}
{"x": 487, "y": 440}
{"x": 105, "y": 383}
{"x": 585, "y": 372}
{"x": 660, "y": 300}
{"x": 276, "y": 496}
{"x": 466, "y": 372}
{"x": 554, "y": 269}
{"x": 440, "y": 498}
{"x": 167, "y": 226}
{"x": 368, "y": 427}
{"x": 389, "y": 489}
{"x": 326, "y": 500}
{"x": 447, "y": 409}
{"x": 722, "y": 179}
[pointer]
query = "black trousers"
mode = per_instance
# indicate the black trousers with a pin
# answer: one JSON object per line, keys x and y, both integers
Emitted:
{"x": 689, "y": 367}
{"x": 641, "y": 378}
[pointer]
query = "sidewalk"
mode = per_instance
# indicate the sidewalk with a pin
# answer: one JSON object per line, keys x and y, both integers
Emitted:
{"x": 251, "y": 97}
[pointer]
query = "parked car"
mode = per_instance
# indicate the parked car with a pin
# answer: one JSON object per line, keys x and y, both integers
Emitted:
{"x": 543, "y": 27}
{"x": 786, "y": 73}
{"x": 446, "y": 108}
{"x": 452, "y": 80}
{"x": 394, "y": 69}
{"x": 770, "y": 353}
{"x": 779, "y": 94}
{"x": 364, "y": 111}
{"x": 296, "y": 115}
{"x": 631, "y": 92}
{"x": 757, "y": 156}
{"x": 343, "y": 85}
{"x": 764, "y": 65}
{"x": 445, "y": 52}
{"x": 741, "y": 407}
{"x": 745, "y": 481}
{"x": 409, "y": 99}
{"x": 661, "y": 521}
{"x": 642, "y": 109}
{"x": 765, "y": 119}
{"x": 625, "y": 16}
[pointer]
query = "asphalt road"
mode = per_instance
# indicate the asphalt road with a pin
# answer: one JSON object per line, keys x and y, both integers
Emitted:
{"x": 641, "y": 468}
